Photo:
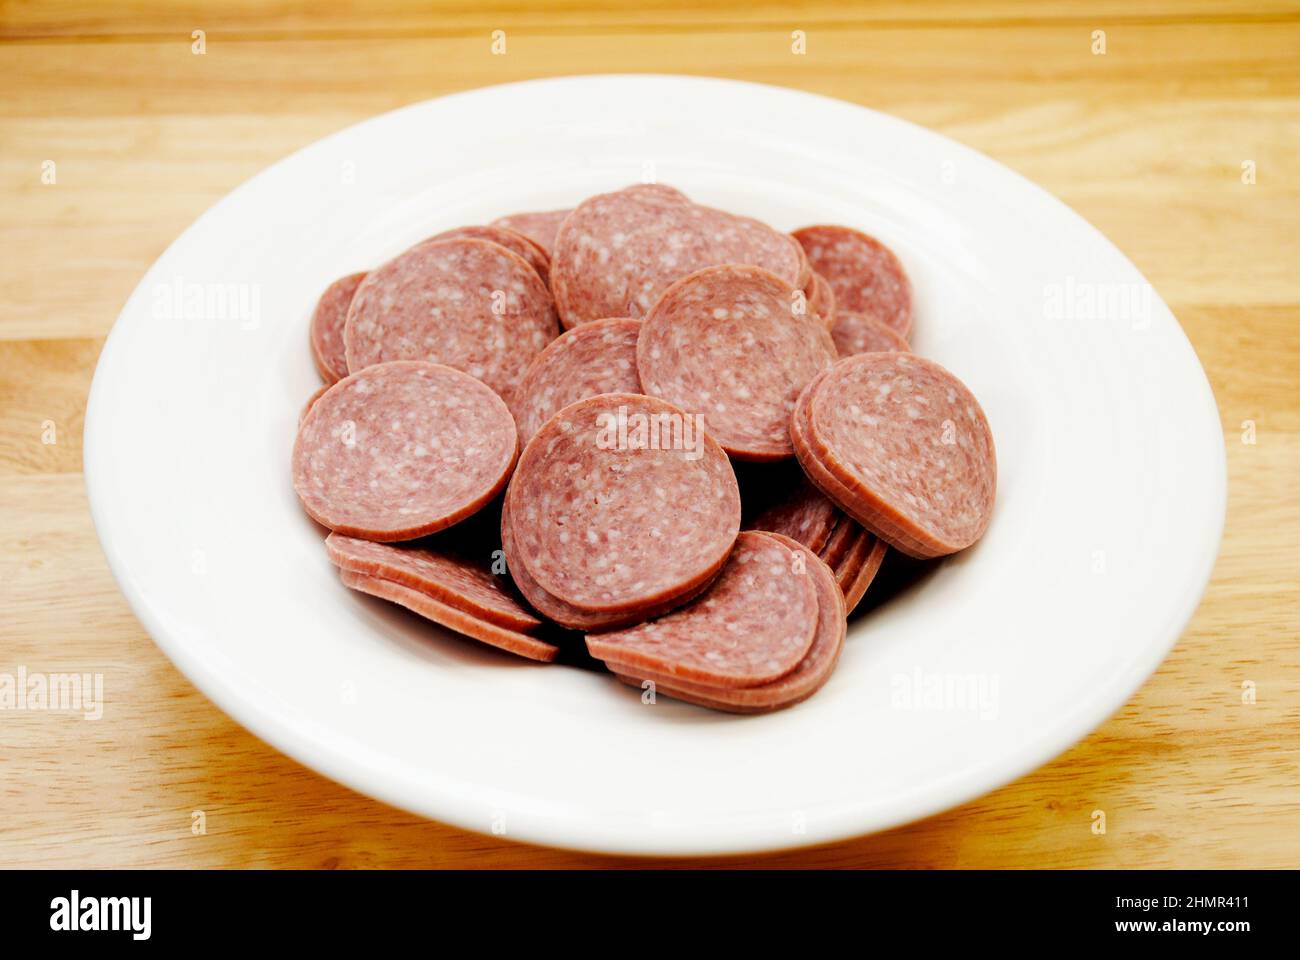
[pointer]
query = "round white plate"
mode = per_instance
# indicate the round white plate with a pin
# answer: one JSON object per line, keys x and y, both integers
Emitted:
{"x": 1110, "y": 499}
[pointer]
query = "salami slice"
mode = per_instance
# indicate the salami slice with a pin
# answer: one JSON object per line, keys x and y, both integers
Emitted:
{"x": 863, "y": 272}
{"x": 539, "y": 226}
{"x": 866, "y": 574}
{"x": 327, "y": 327}
{"x": 566, "y": 614}
{"x": 621, "y": 501}
{"x": 911, "y": 445}
{"x": 512, "y": 240}
{"x": 470, "y": 304}
{"x": 806, "y": 516}
{"x": 448, "y": 577}
{"x": 821, "y": 300}
{"x": 617, "y": 252}
{"x": 753, "y": 626}
{"x": 402, "y": 449}
{"x": 854, "y": 557}
{"x": 725, "y": 344}
{"x": 795, "y": 687}
{"x": 597, "y": 357}
{"x": 856, "y": 333}
{"x": 450, "y": 617}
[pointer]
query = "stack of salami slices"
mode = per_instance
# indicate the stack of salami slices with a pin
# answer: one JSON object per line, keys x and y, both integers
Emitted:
{"x": 529, "y": 434}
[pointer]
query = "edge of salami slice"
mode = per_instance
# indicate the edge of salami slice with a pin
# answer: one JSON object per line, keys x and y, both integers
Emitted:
{"x": 821, "y": 299}
{"x": 742, "y": 632}
{"x": 856, "y": 333}
{"x": 326, "y": 328}
{"x": 447, "y": 616}
{"x": 806, "y": 515}
{"x": 539, "y": 226}
{"x": 856, "y": 555}
{"x": 502, "y": 236}
{"x": 838, "y": 542}
{"x": 866, "y": 575}
{"x": 444, "y": 576}
{"x": 806, "y": 679}
{"x": 868, "y": 275}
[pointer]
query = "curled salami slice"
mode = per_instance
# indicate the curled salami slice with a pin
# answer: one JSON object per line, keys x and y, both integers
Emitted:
{"x": 859, "y": 333}
{"x": 450, "y": 617}
{"x": 566, "y": 614}
{"x": 866, "y": 574}
{"x": 449, "y": 577}
{"x": 470, "y": 304}
{"x": 753, "y": 626}
{"x": 795, "y": 687}
{"x": 863, "y": 272}
{"x": 725, "y": 344}
{"x": 821, "y": 300}
{"x": 512, "y": 240}
{"x": 327, "y": 327}
{"x": 403, "y": 449}
{"x": 806, "y": 515}
{"x": 912, "y": 446}
{"x": 617, "y": 252}
{"x": 597, "y": 357}
{"x": 621, "y": 501}
{"x": 538, "y": 226}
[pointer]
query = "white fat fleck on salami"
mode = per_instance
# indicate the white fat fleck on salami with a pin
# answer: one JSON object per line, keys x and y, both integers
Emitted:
{"x": 539, "y": 226}
{"x": 620, "y": 501}
{"x": 595, "y": 358}
{"x": 327, "y": 323}
{"x": 402, "y": 449}
{"x": 864, "y": 274}
{"x": 806, "y": 515}
{"x": 797, "y": 685}
{"x": 470, "y": 304}
{"x": 753, "y": 626}
{"x": 512, "y": 240}
{"x": 617, "y": 252}
{"x": 856, "y": 333}
{"x": 911, "y": 441}
{"x": 463, "y": 582}
{"x": 725, "y": 343}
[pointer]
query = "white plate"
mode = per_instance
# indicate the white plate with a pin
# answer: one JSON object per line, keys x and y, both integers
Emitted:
{"x": 1110, "y": 500}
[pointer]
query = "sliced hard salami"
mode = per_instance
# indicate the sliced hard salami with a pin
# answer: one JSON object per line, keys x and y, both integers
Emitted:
{"x": 854, "y": 557}
{"x": 806, "y": 516}
{"x": 617, "y": 252}
{"x": 821, "y": 300}
{"x": 622, "y": 501}
{"x": 566, "y": 614}
{"x": 856, "y": 333}
{"x": 402, "y": 449}
{"x": 912, "y": 447}
{"x": 863, "y": 272}
{"x": 512, "y": 240}
{"x": 453, "y": 619}
{"x": 327, "y": 327}
{"x": 597, "y": 357}
{"x": 866, "y": 574}
{"x": 798, "y": 685}
{"x": 449, "y": 577}
{"x": 539, "y": 226}
{"x": 753, "y": 626}
{"x": 724, "y": 343}
{"x": 470, "y": 304}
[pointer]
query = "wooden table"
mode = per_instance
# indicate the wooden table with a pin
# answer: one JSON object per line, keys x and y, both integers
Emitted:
{"x": 1151, "y": 141}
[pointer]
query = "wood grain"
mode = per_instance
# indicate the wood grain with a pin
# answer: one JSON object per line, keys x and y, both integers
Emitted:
{"x": 1147, "y": 142}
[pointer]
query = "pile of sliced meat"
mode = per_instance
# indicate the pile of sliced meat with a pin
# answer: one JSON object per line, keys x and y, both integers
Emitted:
{"x": 530, "y": 432}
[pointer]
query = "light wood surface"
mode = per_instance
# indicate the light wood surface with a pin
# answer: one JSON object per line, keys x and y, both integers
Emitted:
{"x": 1146, "y": 141}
